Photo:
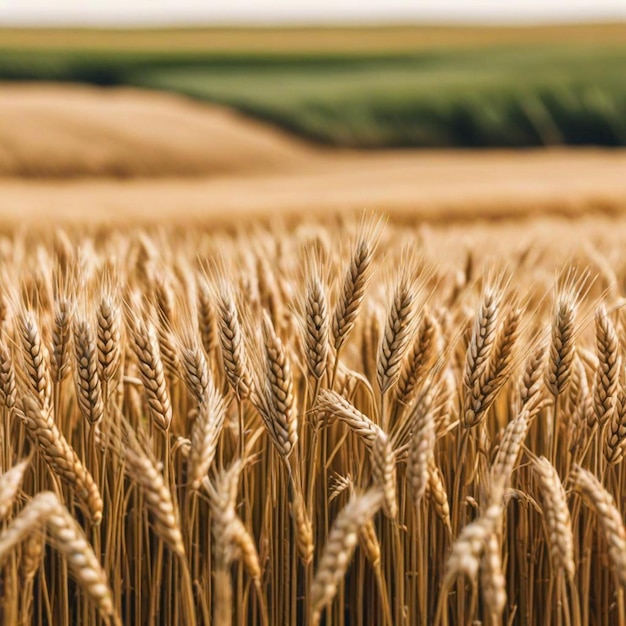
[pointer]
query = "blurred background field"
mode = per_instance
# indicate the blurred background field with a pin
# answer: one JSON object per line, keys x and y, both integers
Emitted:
{"x": 241, "y": 123}
{"x": 367, "y": 87}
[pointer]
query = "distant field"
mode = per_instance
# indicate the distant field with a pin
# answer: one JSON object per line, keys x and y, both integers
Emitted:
{"x": 375, "y": 39}
{"x": 366, "y": 88}
{"x": 509, "y": 97}
{"x": 63, "y": 131}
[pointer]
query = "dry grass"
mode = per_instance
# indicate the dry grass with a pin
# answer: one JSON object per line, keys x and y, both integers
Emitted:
{"x": 316, "y": 425}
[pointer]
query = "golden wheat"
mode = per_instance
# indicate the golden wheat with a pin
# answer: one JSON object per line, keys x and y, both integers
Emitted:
{"x": 270, "y": 427}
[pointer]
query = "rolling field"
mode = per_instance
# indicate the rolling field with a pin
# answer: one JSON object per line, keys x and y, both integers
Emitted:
{"x": 91, "y": 156}
{"x": 64, "y": 132}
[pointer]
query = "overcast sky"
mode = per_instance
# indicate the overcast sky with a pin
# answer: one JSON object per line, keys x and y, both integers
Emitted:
{"x": 126, "y": 12}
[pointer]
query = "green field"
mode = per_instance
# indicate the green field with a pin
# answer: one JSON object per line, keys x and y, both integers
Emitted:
{"x": 543, "y": 87}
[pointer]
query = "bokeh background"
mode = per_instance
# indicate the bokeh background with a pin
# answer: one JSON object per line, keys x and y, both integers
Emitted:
{"x": 383, "y": 106}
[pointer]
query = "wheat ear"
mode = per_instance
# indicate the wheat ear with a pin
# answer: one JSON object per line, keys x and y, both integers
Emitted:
{"x": 28, "y": 521}
{"x": 205, "y": 433}
{"x": 35, "y": 358}
{"x": 206, "y": 319}
{"x": 317, "y": 327}
{"x": 88, "y": 388}
{"x": 559, "y": 370}
{"x": 397, "y": 335}
{"x": 468, "y": 548}
{"x": 607, "y": 372}
{"x": 7, "y": 376}
{"x": 384, "y": 473}
{"x": 10, "y": 483}
{"x": 353, "y": 289}
{"x": 273, "y": 395}
{"x": 421, "y": 448}
{"x": 557, "y": 517}
{"x": 233, "y": 350}
{"x": 158, "y": 498}
{"x": 342, "y": 540}
{"x": 531, "y": 385}
{"x": 152, "y": 374}
{"x": 61, "y": 333}
{"x": 615, "y": 442}
{"x": 418, "y": 360}
{"x": 59, "y": 455}
{"x": 508, "y": 453}
{"x": 70, "y": 541}
{"x": 608, "y": 516}
{"x": 477, "y": 355}
{"x": 195, "y": 371}
{"x": 109, "y": 338}
{"x": 493, "y": 584}
{"x": 335, "y": 405}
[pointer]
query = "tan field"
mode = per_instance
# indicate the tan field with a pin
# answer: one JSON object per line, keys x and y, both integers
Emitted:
{"x": 376, "y": 39}
{"x": 85, "y": 154}
{"x": 55, "y": 131}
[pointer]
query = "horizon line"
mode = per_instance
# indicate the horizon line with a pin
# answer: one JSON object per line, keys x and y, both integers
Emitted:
{"x": 264, "y": 24}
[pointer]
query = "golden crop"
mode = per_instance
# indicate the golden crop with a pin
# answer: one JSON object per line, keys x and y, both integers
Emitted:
{"x": 344, "y": 424}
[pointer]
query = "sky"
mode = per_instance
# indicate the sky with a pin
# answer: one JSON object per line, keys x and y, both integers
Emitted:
{"x": 164, "y": 12}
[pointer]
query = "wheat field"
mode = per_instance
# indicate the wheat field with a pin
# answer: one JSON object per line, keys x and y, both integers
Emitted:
{"x": 339, "y": 422}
